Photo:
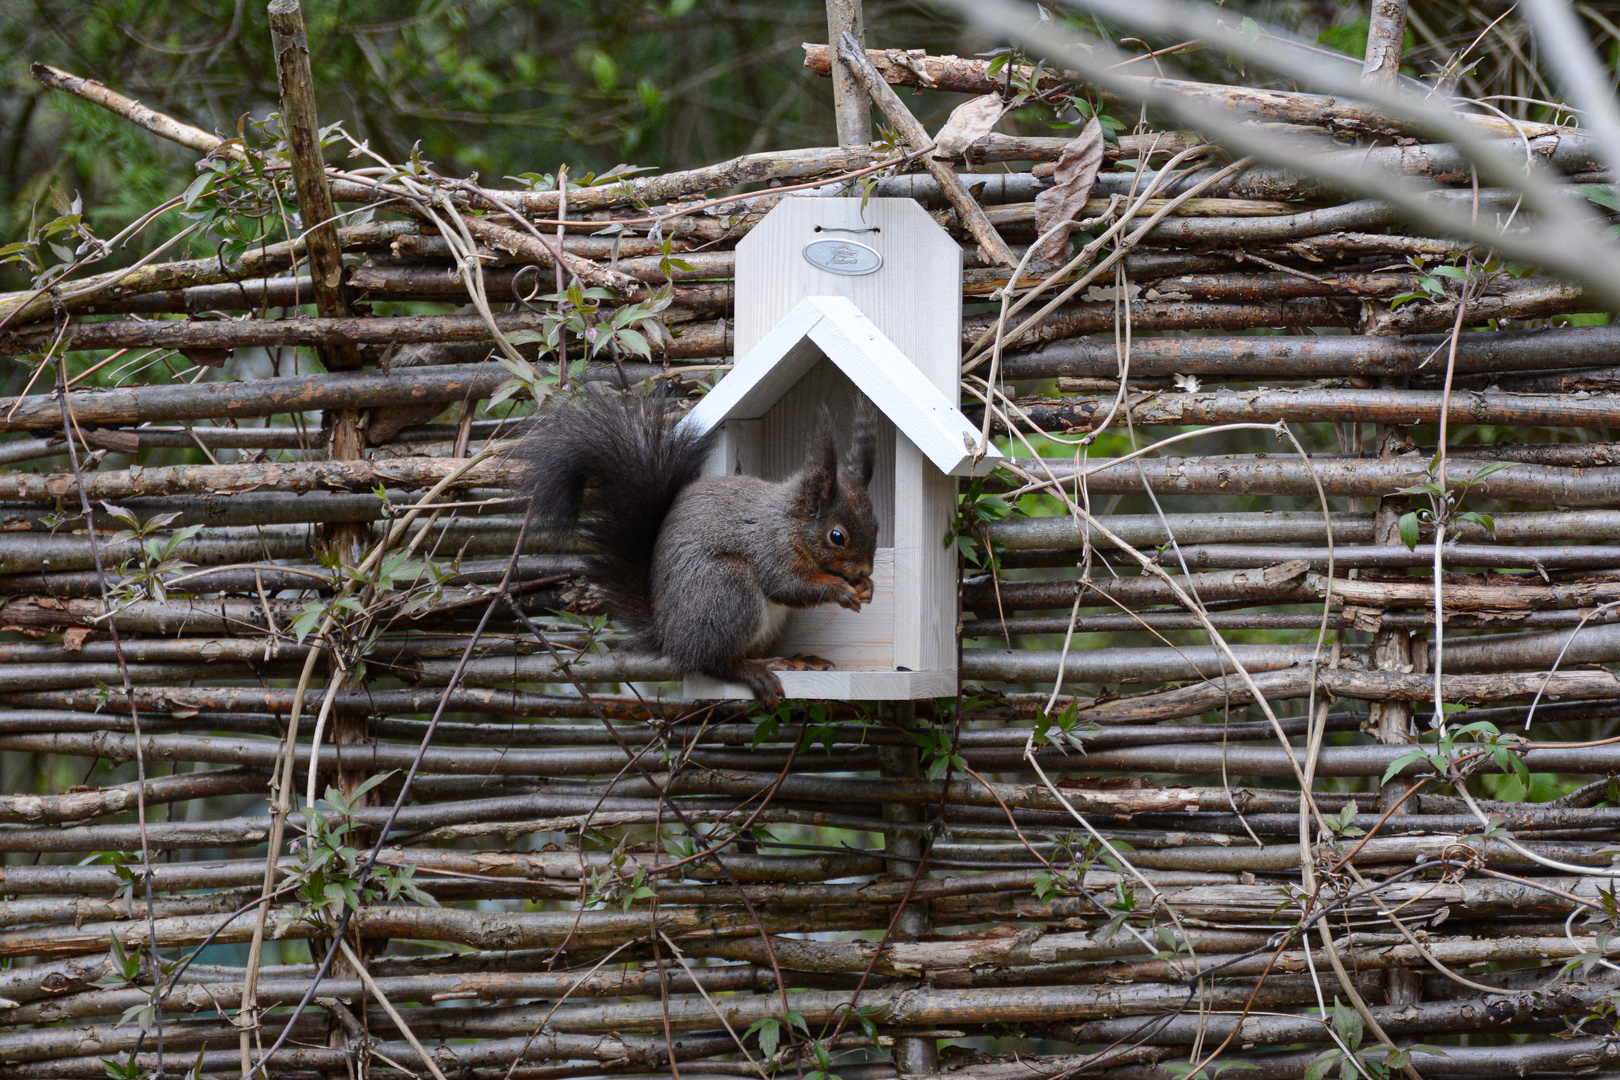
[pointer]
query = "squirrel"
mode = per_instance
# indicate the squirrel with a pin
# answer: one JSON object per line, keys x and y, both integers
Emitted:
{"x": 701, "y": 570}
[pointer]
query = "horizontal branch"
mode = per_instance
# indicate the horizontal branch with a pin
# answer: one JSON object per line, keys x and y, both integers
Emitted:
{"x": 1364, "y": 556}
{"x": 1232, "y": 691}
{"x": 1257, "y": 585}
{"x": 1284, "y": 527}
{"x": 1457, "y": 596}
{"x": 446, "y": 285}
{"x": 696, "y": 340}
{"x": 1311, "y": 619}
{"x": 510, "y": 930}
{"x": 82, "y": 805}
{"x": 1473, "y": 655}
{"x": 906, "y": 68}
{"x": 568, "y": 867}
{"x": 287, "y": 477}
{"x": 1260, "y": 475}
{"x": 256, "y": 262}
{"x": 375, "y": 757}
{"x": 1401, "y": 408}
{"x": 430, "y": 283}
{"x": 1288, "y": 357}
{"x": 279, "y": 701}
{"x": 256, "y": 397}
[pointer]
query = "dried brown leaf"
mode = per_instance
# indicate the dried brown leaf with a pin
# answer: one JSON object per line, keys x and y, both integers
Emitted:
{"x": 968, "y": 123}
{"x": 1066, "y": 199}
{"x": 73, "y": 638}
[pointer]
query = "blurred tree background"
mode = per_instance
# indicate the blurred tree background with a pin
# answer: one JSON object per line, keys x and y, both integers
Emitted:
{"x": 501, "y": 87}
{"x": 494, "y": 88}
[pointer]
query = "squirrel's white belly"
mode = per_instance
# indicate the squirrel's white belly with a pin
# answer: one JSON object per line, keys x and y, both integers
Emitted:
{"x": 770, "y": 626}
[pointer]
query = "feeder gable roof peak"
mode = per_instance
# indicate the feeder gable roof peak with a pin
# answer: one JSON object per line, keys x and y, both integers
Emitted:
{"x": 834, "y": 328}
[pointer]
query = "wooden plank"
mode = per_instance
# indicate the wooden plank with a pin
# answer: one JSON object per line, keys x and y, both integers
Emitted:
{"x": 883, "y": 372}
{"x": 736, "y": 450}
{"x": 915, "y": 298}
{"x": 834, "y": 686}
{"x": 853, "y": 640}
{"x": 762, "y": 379}
{"x": 761, "y": 375}
{"x": 925, "y": 569}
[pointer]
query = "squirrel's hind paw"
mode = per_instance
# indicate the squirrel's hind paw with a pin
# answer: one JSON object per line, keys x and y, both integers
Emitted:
{"x": 759, "y": 678}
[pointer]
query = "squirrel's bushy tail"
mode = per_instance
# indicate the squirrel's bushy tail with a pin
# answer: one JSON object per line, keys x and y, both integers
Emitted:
{"x": 605, "y": 468}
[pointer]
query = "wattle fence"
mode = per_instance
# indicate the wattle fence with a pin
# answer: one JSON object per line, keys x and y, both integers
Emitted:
{"x": 1263, "y": 437}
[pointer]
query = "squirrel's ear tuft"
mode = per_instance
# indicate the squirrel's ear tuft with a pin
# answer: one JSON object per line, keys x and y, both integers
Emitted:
{"x": 863, "y": 442}
{"x": 821, "y": 467}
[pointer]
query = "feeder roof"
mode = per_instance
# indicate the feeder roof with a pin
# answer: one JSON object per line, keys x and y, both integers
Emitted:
{"x": 834, "y": 328}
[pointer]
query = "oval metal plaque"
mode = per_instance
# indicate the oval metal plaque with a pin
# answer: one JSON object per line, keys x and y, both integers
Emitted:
{"x": 842, "y": 257}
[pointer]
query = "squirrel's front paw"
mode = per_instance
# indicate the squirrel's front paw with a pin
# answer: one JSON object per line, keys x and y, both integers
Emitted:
{"x": 848, "y": 596}
{"x": 863, "y": 590}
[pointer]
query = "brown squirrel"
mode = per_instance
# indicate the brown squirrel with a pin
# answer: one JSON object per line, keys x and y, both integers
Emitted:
{"x": 702, "y": 571}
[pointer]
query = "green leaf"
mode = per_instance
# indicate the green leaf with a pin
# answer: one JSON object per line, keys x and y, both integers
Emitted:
{"x": 122, "y": 514}
{"x": 1408, "y": 526}
{"x": 635, "y": 342}
{"x": 371, "y": 782}
{"x": 1044, "y": 886}
{"x": 1603, "y": 195}
{"x": 1493, "y": 467}
{"x": 770, "y": 1035}
{"x": 196, "y": 189}
{"x": 1426, "y": 1048}
{"x": 823, "y": 1055}
{"x": 1347, "y": 1022}
{"x": 1400, "y": 763}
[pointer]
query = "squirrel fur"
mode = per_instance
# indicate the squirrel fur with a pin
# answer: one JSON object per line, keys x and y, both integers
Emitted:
{"x": 701, "y": 570}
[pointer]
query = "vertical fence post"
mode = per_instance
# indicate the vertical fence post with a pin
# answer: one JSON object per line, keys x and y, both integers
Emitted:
{"x": 913, "y": 1056}
{"x": 300, "y": 124}
{"x": 850, "y": 103}
{"x": 345, "y": 439}
{"x": 1392, "y": 649}
{"x": 1386, "y": 38}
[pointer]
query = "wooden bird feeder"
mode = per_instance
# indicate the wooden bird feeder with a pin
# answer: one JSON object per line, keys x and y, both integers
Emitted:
{"x": 835, "y": 302}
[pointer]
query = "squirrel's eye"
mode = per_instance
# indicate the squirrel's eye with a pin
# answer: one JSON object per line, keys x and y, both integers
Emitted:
{"x": 836, "y": 538}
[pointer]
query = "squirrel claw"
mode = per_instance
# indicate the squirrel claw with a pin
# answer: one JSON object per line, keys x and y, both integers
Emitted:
{"x": 854, "y": 594}
{"x": 760, "y": 678}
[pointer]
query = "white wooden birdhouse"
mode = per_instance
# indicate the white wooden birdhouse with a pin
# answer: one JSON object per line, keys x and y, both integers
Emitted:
{"x": 833, "y": 301}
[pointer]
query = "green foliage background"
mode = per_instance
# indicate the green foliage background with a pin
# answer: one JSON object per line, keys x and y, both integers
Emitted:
{"x": 500, "y": 87}
{"x": 487, "y": 87}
